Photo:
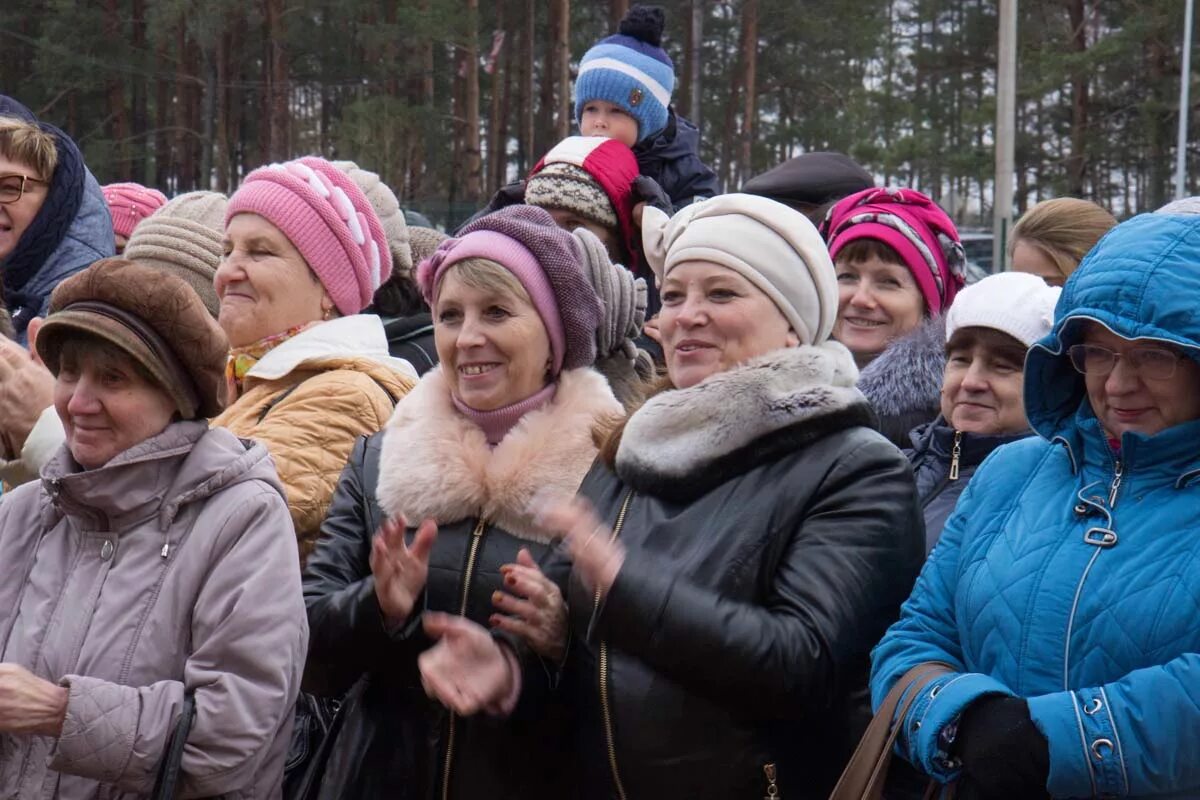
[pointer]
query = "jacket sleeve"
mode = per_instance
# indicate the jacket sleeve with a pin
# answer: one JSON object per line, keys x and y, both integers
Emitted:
{"x": 1125, "y": 738}
{"x": 687, "y": 178}
{"x": 248, "y": 642}
{"x": 309, "y": 435}
{"x": 348, "y": 635}
{"x": 928, "y": 631}
{"x": 850, "y": 559}
{"x": 40, "y": 446}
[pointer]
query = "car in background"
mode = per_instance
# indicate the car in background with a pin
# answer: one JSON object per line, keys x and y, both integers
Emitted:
{"x": 978, "y": 247}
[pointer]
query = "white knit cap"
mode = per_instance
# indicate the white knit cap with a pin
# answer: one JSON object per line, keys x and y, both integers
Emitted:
{"x": 1016, "y": 303}
{"x": 773, "y": 246}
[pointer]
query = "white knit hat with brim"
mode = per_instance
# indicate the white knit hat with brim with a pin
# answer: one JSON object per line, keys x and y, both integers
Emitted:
{"x": 773, "y": 246}
{"x": 1016, "y": 303}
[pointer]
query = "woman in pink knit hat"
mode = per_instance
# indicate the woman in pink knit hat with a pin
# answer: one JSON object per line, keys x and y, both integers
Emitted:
{"x": 899, "y": 265}
{"x": 129, "y": 204}
{"x": 307, "y": 373}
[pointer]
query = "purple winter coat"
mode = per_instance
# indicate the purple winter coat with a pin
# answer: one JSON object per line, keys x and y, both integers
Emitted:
{"x": 171, "y": 568}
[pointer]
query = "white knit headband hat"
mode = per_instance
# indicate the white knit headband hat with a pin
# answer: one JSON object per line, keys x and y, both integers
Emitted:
{"x": 773, "y": 246}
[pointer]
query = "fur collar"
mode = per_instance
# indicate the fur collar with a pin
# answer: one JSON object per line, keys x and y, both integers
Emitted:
{"x": 437, "y": 463}
{"x": 684, "y": 442}
{"x": 907, "y": 376}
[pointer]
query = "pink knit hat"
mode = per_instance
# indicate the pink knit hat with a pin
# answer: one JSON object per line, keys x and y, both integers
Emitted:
{"x": 525, "y": 241}
{"x": 915, "y": 227}
{"x": 130, "y": 203}
{"x": 329, "y": 220}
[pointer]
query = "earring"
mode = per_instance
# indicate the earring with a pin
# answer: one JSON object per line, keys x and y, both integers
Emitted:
{"x": 328, "y": 314}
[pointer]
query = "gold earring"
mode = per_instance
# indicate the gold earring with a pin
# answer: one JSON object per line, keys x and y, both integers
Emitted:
{"x": 328, "y": 314}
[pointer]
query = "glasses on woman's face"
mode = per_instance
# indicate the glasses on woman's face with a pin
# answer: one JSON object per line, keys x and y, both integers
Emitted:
{"x": 1155, "y": 363}
{"x": 12, "y": 187}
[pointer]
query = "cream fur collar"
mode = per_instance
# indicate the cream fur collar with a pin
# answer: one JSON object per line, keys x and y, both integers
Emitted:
{"x": 735, "y": 420}
{"x": 437, "y": 463}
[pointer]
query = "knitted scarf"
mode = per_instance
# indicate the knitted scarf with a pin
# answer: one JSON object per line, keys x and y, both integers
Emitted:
{"x": 50, "y": 226}
{"x": 242, "y": 359}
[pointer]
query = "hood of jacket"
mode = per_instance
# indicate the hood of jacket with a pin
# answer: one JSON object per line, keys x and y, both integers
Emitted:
{"x": 357, "y": 337}
{"x": 683, "y": 442}
{"x": 1140, "y": 281}
{"x": 435, "y": 463}
{"x": 907, "y": 376}
{"x": 187, "y": 462}
{"x": 678, "y": 138}
{"x": 88, "y": 239}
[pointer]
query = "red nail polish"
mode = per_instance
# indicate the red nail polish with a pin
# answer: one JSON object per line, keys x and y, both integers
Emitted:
{"x": 510, "y": 580}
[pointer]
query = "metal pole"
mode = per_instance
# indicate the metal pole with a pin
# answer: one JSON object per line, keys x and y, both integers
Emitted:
{"x": 1185, "y": 107}
{"x": 1006, "y": 114}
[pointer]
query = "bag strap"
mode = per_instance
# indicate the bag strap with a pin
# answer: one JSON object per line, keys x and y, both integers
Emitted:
{"x": 864, "y": 775}
{"x": 170, "y": 767}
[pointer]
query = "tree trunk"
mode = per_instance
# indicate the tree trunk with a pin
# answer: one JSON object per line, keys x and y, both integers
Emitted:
{"x": 749, "y": 83}
{"x": 472, "y": 157}
{"x": 525, "y": 137}
{"x": 616, "y": 10}
{"x": 141, "y": 121}
{"x": 118, "y": 125}
{"x": 545, "y": 115}
{"x": 162, "y": 104}
{"x": 277, "y": 125}
{"x": 562, "y": 71}
{"x": 1077, "y": 162}
{"x": 497, "y": 145}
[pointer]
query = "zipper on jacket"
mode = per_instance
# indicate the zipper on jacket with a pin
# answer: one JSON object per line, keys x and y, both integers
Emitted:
{"x": 772, "y": 785}
{"x": 1114, "y": 489}
{"x": 468, "y": 574}
{"x": 955, "y": 454}
{"x": 605, "y": 703}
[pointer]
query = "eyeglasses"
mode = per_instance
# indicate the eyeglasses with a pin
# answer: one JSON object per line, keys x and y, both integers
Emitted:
{"x": 1156, "y": 363}
{"x": 12, "y": 187}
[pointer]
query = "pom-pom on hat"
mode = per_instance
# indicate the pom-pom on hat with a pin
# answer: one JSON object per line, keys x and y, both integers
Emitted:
{"x": 773, "y": 246}
{"x": 328, "y": 218}
{"x": 387, "y": 208}
{"x": 630, "y": 69}
{"x": 184, "y": 237}
{"x": 129, "y": 204}
{"x": 1016, "y": 303}
{"x": 593, "y": 177}
{"x": 544, "y": 258}
{"x": 920, "y": 232}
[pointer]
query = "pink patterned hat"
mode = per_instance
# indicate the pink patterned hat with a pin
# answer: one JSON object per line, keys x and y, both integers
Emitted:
{"x": 920, "y": 232}
{"x": 130, "y": 203}
{"x": 330, "y": 221}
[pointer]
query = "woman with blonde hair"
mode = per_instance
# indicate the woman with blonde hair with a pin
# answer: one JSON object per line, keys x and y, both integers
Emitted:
{"x": 1051, "y": 238}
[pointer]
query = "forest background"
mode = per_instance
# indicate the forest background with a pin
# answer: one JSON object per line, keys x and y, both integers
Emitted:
{"x": 449, "y": 99}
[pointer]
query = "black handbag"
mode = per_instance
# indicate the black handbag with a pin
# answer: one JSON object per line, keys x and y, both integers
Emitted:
{"x": 170, "y": 767}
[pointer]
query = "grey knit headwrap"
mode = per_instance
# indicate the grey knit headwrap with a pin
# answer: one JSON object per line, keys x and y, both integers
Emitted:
{"x": 184, "y": 238}
{"x": 622, "y": 296}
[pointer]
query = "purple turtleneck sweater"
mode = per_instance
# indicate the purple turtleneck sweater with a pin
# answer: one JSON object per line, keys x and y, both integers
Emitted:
{"x": 497, "y": 423}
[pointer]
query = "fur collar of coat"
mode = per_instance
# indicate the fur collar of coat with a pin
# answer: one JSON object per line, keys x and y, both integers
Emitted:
{"x": 906, "y": 378}
{"x": 684, "y": 442}
{"x": 436, "y": 463}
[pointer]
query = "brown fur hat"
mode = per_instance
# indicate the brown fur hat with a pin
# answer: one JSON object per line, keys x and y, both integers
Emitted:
{"x": 153, "y": 316}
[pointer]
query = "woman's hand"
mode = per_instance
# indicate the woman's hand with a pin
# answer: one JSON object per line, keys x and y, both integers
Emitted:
{"x": 651, "y": 329}
{"x": 467, "y": 671}
{"x": 533, "y": 608}
{"x": 597, "y": 555}
{"x": 400, "y": 571}
{"x": 26, "y": 390}
{"x": 29, "y": 704}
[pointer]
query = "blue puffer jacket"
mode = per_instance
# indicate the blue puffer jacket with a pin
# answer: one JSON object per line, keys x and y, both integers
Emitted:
{"x": 1069, "y": 575}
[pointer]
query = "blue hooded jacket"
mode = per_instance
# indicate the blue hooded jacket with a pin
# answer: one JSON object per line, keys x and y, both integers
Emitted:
{"x": 1068, "y": 574}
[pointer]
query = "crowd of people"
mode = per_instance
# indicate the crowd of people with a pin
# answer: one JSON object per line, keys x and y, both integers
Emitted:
{"x": 626, "y": 488}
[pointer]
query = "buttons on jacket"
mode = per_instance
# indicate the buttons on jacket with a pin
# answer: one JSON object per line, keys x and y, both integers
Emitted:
{"x": 106, "y": 550}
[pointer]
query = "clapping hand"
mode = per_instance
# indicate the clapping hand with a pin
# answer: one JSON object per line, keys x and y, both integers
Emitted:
{"x": 533, "y": 608}
{"x": 596, "y": 554}
{"x": 400, "y": 570}
{"x": 467, "y": 671}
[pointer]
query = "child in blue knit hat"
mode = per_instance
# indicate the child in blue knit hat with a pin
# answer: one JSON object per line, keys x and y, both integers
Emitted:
{"x": 624, "y": 91}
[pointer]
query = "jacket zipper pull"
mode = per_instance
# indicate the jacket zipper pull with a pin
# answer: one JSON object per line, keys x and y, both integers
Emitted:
{"x": 1118, "y": 472}
{"x": 955, "y": 454}
{"x": 772, "y": 786}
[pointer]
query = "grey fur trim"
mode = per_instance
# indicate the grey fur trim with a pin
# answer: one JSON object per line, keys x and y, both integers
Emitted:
{"x": 907, "y": 376}
{"x": 682, "y": 432}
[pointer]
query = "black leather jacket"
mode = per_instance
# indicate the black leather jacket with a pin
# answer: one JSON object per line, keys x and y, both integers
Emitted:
{"x": 739, "y": 628}
{"x": 394, "y": 741}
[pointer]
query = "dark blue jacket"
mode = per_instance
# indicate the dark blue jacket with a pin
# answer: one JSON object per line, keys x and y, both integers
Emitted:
{"x": 671, "y": 157}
